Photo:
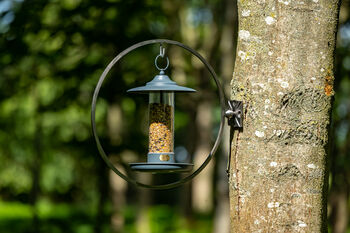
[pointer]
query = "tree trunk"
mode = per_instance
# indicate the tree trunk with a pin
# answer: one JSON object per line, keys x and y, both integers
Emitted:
{"x": 284, "y": 75}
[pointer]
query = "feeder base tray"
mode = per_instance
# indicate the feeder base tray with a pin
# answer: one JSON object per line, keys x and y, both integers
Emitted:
{"x": 161, "y": 167}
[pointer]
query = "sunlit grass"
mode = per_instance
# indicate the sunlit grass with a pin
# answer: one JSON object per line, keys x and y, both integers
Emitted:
{"x": 18, "y": 217}
{"x": 15, "y": 210}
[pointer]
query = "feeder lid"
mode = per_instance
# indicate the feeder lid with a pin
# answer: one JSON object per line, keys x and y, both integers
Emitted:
{"x": 160, "y": 82}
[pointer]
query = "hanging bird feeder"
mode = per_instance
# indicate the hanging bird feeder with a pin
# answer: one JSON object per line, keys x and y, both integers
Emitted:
{"x": 161, "y": 91}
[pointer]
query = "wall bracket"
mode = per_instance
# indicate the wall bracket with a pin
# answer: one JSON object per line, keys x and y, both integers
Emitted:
{"x": 234, "y": 114}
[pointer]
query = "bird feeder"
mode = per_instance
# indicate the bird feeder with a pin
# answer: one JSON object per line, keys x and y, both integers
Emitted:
{"x": 161, "y": 91}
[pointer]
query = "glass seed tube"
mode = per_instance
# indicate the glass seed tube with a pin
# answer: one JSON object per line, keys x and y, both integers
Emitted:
{"x": 161, "y": 122}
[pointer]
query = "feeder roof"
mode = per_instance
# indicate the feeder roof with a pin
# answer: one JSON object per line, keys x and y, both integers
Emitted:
{"x": 160, "y": 82}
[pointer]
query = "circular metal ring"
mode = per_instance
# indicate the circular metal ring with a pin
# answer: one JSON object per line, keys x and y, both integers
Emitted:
{"x": 93, "y": 110}
{"x": 167, "y": 63}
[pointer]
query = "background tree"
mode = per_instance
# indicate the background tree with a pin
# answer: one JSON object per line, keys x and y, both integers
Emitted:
{"x": 285, "y": 75}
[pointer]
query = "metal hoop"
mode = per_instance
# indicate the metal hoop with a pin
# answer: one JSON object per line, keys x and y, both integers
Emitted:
{"x": 167, "y": 63}
{"x": 93, "y": 110}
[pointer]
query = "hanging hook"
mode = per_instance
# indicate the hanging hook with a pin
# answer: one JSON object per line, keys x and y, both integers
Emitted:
{"x": 161, "y": 69}
{"x": 162, "y": 50}
{"x": 161, "y": 54}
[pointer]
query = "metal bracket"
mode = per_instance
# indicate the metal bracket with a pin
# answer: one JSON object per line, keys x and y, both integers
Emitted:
{"x": 234, "y": 114}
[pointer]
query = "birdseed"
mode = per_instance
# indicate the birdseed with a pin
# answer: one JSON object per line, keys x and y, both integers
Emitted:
{"x": 160, "y": 128}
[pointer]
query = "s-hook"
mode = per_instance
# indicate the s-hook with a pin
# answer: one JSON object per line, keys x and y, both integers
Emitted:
{"x": 161, "y": 54}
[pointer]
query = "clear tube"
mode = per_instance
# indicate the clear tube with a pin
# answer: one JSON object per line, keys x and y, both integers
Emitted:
{"x": 161, "y": 122}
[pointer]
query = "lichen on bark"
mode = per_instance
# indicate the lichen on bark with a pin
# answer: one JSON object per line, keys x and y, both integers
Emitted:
{"x": 284, "y": 76}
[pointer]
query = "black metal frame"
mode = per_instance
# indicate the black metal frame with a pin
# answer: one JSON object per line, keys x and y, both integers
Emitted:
{"x": 93, "y": 109}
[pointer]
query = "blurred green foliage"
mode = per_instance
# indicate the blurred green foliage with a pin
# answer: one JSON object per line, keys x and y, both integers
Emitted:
{"x": 339, "y": 188}
{"x": 52, "y": 54}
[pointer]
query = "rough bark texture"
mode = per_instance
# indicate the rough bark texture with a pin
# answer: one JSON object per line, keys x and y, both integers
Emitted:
{"x": 284, "y": 75}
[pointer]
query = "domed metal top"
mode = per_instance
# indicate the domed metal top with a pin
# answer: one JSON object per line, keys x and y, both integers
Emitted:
{"x": 160, "y": 82}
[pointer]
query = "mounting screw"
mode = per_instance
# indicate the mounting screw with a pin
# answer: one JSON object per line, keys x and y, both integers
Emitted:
{"x": 234, "y": 113}
{"x": 229, "y": 113}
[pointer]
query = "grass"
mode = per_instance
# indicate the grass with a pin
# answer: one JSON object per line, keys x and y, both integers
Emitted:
{"x": 17, "y": 217}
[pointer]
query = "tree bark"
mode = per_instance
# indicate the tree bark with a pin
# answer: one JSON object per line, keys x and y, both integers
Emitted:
{"x": 284, "y": 75}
